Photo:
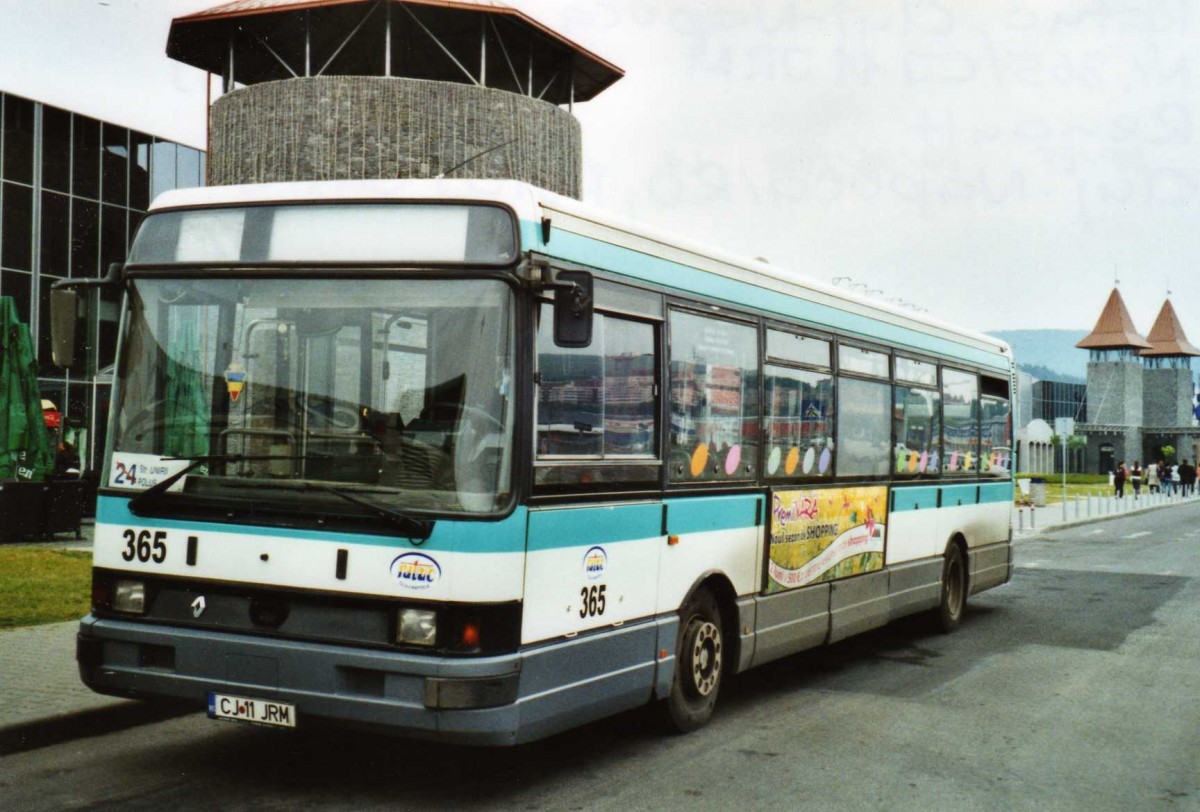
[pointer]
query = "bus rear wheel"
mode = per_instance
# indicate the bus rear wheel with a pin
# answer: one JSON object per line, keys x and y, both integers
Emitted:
{"x": 699, "y": 663}
{"x": 954, "y": 589}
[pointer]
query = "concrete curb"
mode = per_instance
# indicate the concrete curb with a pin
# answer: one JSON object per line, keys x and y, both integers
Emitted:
{"x": 1031, "y": 533}
{"x": 69, "y": 726}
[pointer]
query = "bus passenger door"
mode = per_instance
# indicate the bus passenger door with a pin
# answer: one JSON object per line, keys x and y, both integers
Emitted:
{"x": 592, "y": 567}
{"x": 590, "y": 578}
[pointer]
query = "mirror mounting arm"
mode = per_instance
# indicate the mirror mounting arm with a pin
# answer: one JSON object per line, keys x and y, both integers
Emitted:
{"x": 573, "y": 299}
{"x": 113, "y": 278}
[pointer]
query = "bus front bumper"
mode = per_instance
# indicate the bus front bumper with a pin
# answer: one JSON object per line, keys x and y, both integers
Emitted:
{"x": 467, "y": 700}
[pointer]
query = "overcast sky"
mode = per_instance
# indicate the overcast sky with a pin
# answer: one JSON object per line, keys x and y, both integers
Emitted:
{"x": 997, "y": 163}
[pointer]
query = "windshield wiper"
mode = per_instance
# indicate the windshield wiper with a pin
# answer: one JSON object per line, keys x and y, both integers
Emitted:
{"x": 412, "y": 527}
{"x": 143, "y": 499}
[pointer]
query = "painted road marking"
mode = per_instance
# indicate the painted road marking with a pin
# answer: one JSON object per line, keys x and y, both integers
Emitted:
{"x": 1137, "y": 535}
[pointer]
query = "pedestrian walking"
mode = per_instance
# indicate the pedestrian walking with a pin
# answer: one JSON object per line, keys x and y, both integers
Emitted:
{"x": 1152, "y": 477}
{"x": 1135, "y": 478}
{"x": 1119, "y": 481}
{"x": 1175, "y": 480}
{"x": 1187, "y": 477}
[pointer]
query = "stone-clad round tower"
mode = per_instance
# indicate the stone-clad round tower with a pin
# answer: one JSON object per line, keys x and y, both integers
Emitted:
{"x": 353, "y": 89}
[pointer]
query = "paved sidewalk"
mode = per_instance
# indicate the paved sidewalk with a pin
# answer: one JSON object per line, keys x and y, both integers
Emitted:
{"x": 42, "y": 699}
{"x": 39, "y": 676}
{"x": 1028, "y": 522}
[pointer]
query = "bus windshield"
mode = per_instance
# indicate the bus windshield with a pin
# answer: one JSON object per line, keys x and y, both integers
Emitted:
{"x": 301, "y": 391}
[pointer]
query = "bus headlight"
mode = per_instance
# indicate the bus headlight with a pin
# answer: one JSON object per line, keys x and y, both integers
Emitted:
{"x": 416, "y": 627}
{"x": 129, "y": 596}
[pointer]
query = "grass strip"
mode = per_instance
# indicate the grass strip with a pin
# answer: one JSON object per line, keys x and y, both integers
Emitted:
{"x": 43, "y": 586}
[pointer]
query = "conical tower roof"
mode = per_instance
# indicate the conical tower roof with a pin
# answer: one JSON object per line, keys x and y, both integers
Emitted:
{"x": 1167, "y": 337}
{"x": 1114, "y": 330}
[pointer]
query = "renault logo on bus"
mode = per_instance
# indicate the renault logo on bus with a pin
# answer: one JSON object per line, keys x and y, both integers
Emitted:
{"x": 595, "y": 561}
{"x": 415, "y": 571}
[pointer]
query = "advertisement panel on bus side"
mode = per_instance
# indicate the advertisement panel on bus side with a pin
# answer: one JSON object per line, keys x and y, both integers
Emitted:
{"x": 824, "y": 534}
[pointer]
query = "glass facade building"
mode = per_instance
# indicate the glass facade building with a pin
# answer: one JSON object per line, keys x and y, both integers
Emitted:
{"x": 73, "y": 190}
{"x": 1053, "y": 399}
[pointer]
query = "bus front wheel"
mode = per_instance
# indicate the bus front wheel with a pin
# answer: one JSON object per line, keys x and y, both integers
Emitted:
{"x": 699, "y": 663}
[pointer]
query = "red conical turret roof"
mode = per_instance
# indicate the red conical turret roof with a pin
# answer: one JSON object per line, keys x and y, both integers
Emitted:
{"x": 1167, "y": 337}
{"x": 1114, "y": 330}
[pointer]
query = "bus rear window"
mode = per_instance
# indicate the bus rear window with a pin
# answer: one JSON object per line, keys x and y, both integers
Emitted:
{"x": 400, "y": 233}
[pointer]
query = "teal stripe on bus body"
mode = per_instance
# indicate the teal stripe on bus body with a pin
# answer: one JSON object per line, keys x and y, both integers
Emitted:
{"x": 553, "y": 528}
{"x": 996, "y": 492}
{"x": 635, "y": 264}
{"x": 504, "y": 536}
{"x": 955, "y": 495}
{"x": 705, "y": 513}
{"x": 531, "y": 237}
{"x": 921, "y": 498}
{"x": 925, "y": 497}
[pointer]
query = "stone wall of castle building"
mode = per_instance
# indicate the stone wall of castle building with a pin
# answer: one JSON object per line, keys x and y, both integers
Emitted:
{"x": 357, "y": 127}
{"x": 1153, "y": 441}
{"x": 1146, "y": 408}
{"x": 1115, "y": 393}
{"x": 1126, "y": 447}
{"x": 1167, "y": 398}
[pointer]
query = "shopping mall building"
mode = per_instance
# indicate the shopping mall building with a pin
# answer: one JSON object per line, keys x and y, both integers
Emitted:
{"x": 73, "y": 188}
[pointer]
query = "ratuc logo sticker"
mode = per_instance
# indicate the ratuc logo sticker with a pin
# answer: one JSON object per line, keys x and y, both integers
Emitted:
{"x": 415, "y": 571}
{"x": 595, "y": 562}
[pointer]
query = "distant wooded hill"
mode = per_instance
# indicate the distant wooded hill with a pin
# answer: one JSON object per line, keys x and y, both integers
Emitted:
{"x": 1048, "y": 354}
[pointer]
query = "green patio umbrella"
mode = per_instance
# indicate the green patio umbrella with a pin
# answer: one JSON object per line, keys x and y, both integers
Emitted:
{"x": 187, "y": 413}
{"x": 25, "y": 451}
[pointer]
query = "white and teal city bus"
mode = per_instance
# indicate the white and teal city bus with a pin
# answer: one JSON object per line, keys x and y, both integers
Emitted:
{"x": 470, "y": 461}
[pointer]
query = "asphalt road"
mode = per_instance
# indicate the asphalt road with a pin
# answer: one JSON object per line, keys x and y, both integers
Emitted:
{"x": 1077, "y": 686}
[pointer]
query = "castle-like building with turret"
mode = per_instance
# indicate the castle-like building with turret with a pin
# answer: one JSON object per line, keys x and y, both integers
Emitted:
{"x": 1139, "y": 389}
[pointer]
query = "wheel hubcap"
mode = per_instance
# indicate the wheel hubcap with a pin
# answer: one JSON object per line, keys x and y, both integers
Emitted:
{"x": 706, "y": 658}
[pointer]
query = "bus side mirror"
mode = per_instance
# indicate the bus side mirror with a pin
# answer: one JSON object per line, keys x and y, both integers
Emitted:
{"x": 572, "y": 309}
{"x": 64, "y": 317}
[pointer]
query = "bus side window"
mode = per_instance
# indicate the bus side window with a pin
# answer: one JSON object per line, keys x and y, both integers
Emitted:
{"x": 714, "y": 399}
{"x": 597, "y": 403}
{"x": 996, "y": 442}
{"x": 798, "y": 410}
{"x": 864, "y": 427}
{"x": 960, "y": 407}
